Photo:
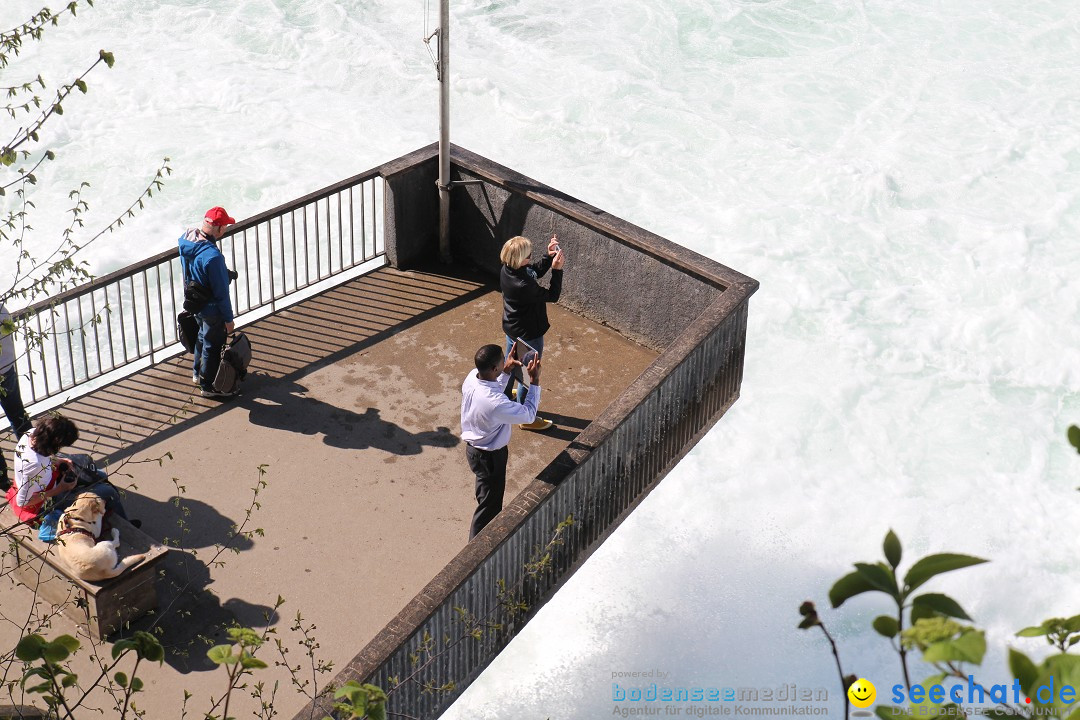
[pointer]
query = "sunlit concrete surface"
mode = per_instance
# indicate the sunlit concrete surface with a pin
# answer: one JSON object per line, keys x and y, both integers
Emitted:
{"x": 350, "y": 416}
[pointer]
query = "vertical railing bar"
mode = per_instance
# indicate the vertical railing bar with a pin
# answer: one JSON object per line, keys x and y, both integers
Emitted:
{"x": 234, "y": 288}
{"x": 161, "y": 305}
{"x": 281, "y": 229}
{"x": 123, "y": 329}
{"x": 95, "y": 322}
{"x": 172, "y": 292}
{"x": 82, "y": 336}
{"x": 318, "y": 244}
{"x": 71, "y": 351}
{"x": 149, "y": 313}
{"x": 247, "y": 277}
{"x": 307, "y": 261}
{"x": 134, "y": 321}
{"x": 44, "y": 362}
{"x": 340, "y": 234}
{"x": 352, "y": 230}
{"x": 374, "y": 225}
{"x": 258, "y": 264}
{"x": 363, "y": 223}
{"x": 295, "y": 267}
{"x": 108, "y": 328}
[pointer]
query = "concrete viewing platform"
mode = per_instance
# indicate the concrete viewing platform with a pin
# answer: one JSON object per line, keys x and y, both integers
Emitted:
{"x": 350, "y": 414}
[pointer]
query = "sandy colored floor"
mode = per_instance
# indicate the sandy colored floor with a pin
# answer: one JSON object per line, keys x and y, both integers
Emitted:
{"x": 351, "y": 419}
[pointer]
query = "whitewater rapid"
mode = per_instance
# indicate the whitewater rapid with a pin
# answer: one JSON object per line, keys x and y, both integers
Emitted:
{"x": 903, "y": 180}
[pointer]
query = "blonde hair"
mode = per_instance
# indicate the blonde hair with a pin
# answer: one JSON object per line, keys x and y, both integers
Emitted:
{"x": 516, "y": 251}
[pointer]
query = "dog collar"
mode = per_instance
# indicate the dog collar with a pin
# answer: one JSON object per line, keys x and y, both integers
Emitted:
{"x": 81, "y": 531}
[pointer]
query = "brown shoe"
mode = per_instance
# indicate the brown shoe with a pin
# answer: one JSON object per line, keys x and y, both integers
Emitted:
{"x": 538, "y": 424}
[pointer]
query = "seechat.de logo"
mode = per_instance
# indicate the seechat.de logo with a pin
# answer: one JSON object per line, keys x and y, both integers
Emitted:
{"x": 862, "y": 693}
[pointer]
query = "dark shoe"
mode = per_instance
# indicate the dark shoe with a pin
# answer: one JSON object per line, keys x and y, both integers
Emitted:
{"x": 5, "y": 483}
{"x": 212, "y": 393}
{"x": 136, "y": 523}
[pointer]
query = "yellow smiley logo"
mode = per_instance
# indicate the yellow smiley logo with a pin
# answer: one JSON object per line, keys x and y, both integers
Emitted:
{"x": 862, "y": 693}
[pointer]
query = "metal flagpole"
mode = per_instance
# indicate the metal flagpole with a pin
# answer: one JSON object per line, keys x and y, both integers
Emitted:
{"x": 444, "y": 130}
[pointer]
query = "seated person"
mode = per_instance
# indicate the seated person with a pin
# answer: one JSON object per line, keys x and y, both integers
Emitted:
{"x": 39, "y": 476}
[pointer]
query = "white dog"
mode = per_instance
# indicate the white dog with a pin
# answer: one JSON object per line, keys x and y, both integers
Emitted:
{"x": 76, "y": 534}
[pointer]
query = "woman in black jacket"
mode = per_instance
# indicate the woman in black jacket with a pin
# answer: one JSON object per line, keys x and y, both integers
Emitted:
{"x": 525, "y": 300}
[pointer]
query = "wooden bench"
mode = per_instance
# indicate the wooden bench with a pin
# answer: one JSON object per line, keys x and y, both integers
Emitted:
{"x": 105, "y": 606}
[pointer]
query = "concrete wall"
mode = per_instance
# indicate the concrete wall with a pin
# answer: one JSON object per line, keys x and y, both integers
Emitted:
{"x": 411, "y": 208}
{"x": 617, "y": 273}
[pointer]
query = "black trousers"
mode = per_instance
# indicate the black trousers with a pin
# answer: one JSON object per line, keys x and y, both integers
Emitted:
{"x": 489, "y": 466}
{"x": 11, "y": 402}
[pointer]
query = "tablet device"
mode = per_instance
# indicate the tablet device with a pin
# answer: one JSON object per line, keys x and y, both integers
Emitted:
{"x": 524, "y": 353}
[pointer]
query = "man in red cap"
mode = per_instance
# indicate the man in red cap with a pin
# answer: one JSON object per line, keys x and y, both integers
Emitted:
{"x": 203, "y": 263}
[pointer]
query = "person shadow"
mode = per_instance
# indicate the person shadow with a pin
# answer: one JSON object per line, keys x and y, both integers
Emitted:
{"x": 190, "y": 618}
{"x": 282, "y": 405}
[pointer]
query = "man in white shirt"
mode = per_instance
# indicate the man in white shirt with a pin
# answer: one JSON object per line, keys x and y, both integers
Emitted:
{"x": 486, "y": 416}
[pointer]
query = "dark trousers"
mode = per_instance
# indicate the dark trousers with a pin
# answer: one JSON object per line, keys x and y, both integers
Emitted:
{"x": 11, "y": 402}
{"x": 489, "y": 466}
{"x": 212, "y": 337}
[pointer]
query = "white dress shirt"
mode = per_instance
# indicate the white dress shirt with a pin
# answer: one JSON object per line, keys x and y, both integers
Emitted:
{"x": 486, "y": 412}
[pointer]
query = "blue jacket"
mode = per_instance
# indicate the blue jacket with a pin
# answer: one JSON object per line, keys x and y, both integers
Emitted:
{"x": 202, "y": 262}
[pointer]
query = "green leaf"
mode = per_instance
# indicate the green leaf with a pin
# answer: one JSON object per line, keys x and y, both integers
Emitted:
{"x": 220, "y": 654}
{"x": 148, "y": 647}
{"x": 892, "y": 549}
{"x": 107, "y": 57}
{"x": 886, "y": 626}
{"x": 122, "y": 646}
{"x": 58, "y": 109}
{"x": 121, "y": 679}
{"x": 1074, "y": 437}
{"x": 880, "y": 576}
{"x": 30, "y": 648}
{"x": 932, "y": 565}
{"x": 136, "y": 684}
{"x": 969, "y": 647}
{"x": 941, "y": 604}
{"x": 248, "y": 662}
{"x": 1033, "y": 631}
{"x": 81, "y": 84}
{"x": 1022, "y": 669}
{"x": 70, "y": 679}
{"x": 848, "y": 587}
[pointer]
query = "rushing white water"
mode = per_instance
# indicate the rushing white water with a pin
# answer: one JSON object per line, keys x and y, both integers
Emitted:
{"x": 903, "y": 179}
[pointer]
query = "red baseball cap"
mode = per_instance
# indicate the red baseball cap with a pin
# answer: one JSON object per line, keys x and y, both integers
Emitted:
{"x": 218, "y": 217}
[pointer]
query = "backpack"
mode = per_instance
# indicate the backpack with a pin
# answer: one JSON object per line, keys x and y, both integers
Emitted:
{"x": 235, "y": 358}
{"x": 187, "y": 330}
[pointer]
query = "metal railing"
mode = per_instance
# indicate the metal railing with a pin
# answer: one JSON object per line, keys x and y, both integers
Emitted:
{"x": 125, "y": 320}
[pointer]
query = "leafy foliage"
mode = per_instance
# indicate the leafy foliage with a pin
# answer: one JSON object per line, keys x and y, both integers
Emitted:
{"x": 952, "y": 649}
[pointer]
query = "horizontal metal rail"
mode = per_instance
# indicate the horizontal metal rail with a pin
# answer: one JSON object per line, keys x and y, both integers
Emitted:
{"x": 127, "y": 319}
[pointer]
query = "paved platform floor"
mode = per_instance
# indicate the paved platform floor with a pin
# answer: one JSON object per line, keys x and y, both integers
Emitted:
{"x": 351, "y": 417}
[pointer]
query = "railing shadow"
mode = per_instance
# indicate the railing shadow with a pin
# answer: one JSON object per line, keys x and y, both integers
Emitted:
{"x": 129, "y": 416}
